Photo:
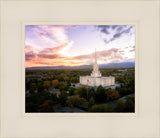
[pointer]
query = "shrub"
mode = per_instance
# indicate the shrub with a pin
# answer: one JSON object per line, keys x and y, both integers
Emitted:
{"x": 100, "y": 108}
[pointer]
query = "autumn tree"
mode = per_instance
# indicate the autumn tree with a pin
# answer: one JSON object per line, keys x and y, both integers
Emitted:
{"x": 62, "y": 85}
{"x": 112, "y": 94}
{"x": 100, "y": 108}
{"x": 76, "y": 101}
{"x": 47, "y": 106}
{"x": 46, "y": 84}
{"x": 55, "y": 83}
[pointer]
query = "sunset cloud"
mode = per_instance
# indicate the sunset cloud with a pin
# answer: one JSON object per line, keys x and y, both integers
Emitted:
{"x": 51, "y": 34}
{"x": 57, "y": 32}
{"x": 54, "y": 50}
{"x": 60, "y": 45}
{"x": 47, "y": 55}
{"x": 106, "y": 56}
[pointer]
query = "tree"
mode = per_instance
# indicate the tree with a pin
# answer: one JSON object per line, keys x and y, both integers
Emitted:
{"x": 79, "y": 90}
{"x": 129, "y": 104}
{"x": 76, "y": 101}
{"x": 63, "y": 98}
{"x": 62, "y": 85}
{"x": 100, "y": 108}
{"x": 46, "y": 84}
{"x": 40, "y": 87}
{"x": 120, "y": 106}
{"x": 84, "y": 93}
{"x": 61, "y": 77}
{"x": 112, "y": 94}
{"x": 91, "y": 93}
{"x": 54, "y": 97}
{"x": 71, "y": 91}
{"x": 100, "y": 95}
{"x": 91, "y": 102}
{"x": 31, "y": 107}
{"x": 47, "y": 106}
{"x": 32, "y": 90}
{"x": 55, "y": 83}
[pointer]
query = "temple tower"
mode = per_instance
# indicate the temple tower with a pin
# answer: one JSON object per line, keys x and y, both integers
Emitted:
{"x": 95, "y": 73}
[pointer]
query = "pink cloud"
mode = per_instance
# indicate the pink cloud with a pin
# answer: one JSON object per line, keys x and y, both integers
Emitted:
{"x": 56, "y": 32}
{"x": 50, "y": 34}
{"x": 53, "y": 57}
{"x": 46, "y": 56}
{"x": 53, "y": 50}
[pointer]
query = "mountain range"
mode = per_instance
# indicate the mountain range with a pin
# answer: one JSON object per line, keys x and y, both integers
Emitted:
{"x": 109, "y": 65}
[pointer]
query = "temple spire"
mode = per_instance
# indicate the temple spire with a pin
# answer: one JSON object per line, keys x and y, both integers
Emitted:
{"x": 95, "y": 72}
{"x": 95, "y": 57}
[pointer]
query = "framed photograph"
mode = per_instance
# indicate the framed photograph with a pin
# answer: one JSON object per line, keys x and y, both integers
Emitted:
{"x": 80, "y": 68}
{"x": 65, "y": 73}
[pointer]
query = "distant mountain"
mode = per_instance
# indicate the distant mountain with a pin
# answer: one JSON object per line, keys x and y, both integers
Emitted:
{"x": 110, "y": 65}
{"x": 60, "y": 67}
{"x": 118, "y": 65}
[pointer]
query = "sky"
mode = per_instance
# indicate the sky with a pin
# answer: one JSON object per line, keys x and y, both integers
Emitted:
{"x": 74, "y": 45}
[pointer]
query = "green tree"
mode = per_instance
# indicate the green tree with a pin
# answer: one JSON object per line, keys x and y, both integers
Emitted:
{"x": 62, "y": 85}
{"x": 40, "y": 87}
{"x": 100, "y": 95}
{"x": 91, "y": 102}
{"x": 84, "y": 93}
{"x": 112, "y": 94}
{"x": 79, "y": 90}
{"x": 63, "y": 97}
{"x": 91, "y": 93}
{"x": 100, "y": 108}
{"x": 61, "y": 77}
{"x": 76, "y": 101}
{"x": 31, "y": 107}
{"x": 54, "y": 97}
{"x": 130, "y": 104}
{"x": 120, "y": 106}
{"x": 71, "y": 91}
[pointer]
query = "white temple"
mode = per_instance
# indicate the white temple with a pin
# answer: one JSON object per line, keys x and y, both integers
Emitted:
{"x": 96, "y": 78}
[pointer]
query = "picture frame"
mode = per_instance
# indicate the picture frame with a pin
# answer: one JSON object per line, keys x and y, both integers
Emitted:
{"x": 16, "y": 14}
{"x": 24, "y": 24}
